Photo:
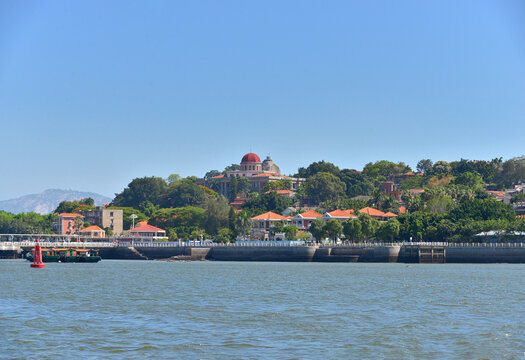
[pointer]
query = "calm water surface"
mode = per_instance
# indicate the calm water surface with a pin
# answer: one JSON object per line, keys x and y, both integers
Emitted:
{"x": 232, "y": 310}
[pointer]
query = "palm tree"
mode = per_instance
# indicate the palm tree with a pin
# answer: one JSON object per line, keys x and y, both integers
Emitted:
{"x": 243, "y": 223}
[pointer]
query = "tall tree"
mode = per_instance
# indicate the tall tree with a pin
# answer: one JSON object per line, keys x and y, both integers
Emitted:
{"x": 424, "y": 166}
{"x": 513, "y": 171}
{"x": 368, "y": 225}
{"x": 141, "y": 189}
{"x": 333, "y": 229}
{"x": 318, "y": 167}
{"x": 441, "y": 168}
{"x": 356, "y": 183}
{"x": 384, "y": 168}
{"x": 216, "y": 216}
{"x": 389, "y": 229}
{"x": 243, "y": 223}
{"x": 324, "y": 186}
{"x": 173, "y": 178}
{"x": 184, "y": 192}
{"x": 352, "y": 230}
{"x": 317, "y": 229}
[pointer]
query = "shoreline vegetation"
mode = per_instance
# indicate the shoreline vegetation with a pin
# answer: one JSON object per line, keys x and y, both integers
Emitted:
{"x": 441, "y": 201}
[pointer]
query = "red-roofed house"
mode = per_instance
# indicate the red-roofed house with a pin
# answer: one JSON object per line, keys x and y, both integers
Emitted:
{"x": 499, "y": 195}
{"x": 67, "y": 223}
{"x": 304, "y": 219}
{"x": 390, "y": 214}
{"x": 146, "y": 230}
{"x": 403, "y": 210}
{"x": 339, "y": 214}
{"x": 261, "y": 224}
{"x": 92, "y": 231}
{"x": 376, "y": 214}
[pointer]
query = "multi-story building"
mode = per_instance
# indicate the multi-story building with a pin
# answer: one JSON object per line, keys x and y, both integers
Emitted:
{"x": 258, "y": 174}
{"x": 105, "y": 218}
{"x": 68, "y": 223}
{"x": 304, "y": 219}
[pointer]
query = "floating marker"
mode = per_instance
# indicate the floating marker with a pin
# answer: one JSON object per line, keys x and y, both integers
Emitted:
{"x": 37, "y": 260}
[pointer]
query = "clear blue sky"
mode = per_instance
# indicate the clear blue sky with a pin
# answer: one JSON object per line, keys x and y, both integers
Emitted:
{"x": 96, "y": 93}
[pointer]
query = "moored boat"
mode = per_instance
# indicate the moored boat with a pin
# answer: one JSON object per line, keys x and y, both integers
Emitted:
{"x": 67, "y": 255}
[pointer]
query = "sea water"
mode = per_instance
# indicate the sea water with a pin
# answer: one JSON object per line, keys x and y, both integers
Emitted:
{"x": 255, "y": 310}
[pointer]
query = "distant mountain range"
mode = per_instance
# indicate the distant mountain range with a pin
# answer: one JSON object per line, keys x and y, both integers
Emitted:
{"x": 47, "y": 201}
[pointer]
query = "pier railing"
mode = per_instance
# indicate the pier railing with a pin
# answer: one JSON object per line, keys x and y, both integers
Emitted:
{"x": 16, "y": 245}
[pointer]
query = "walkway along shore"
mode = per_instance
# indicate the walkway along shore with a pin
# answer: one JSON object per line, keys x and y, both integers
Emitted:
{"x": 365, "y": 252}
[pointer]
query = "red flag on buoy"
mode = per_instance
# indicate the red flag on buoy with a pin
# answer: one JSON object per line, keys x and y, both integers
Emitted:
{"x": 37, "y": 260}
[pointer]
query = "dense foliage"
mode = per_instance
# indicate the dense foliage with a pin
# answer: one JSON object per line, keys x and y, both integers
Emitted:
{"x": 25, "y": 223}
{"x": 445, "y": 201}
{"x": 75, "y": 205}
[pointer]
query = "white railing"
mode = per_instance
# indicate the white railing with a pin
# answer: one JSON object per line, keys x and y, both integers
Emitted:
{"x": 56, "y": 244}
{"x": 16, "y": 245}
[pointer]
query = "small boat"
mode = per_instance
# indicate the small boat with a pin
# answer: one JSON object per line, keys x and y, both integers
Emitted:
{"x": 67, "y": 255}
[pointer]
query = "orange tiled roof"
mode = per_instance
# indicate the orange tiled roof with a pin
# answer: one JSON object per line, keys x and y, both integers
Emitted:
{"x": 497, "y": 193}
{"x": 371, "y": 211}
{"x": 310, "y": 214}
{"x": 218, "y": 176}
{"x": 281, "y": 192}
{"x": 351, "y": 211}
{"x": 402, "y": 210}
{"x": 390, "y": 214}
{"x": 269, "y": 216}
{"x": 91, "y": 228}
{"x": 69, "y": 215}
{"x": 341, "y": 213}
{"x": 147, "y": 228}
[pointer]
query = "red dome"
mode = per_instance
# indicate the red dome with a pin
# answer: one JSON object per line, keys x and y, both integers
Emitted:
{"x": 250, "y": 157}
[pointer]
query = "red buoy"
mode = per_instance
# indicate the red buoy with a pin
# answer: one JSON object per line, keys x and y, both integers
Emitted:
{"x": 37, "y": 260}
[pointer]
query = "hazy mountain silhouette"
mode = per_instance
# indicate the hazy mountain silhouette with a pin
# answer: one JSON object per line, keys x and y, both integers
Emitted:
{"x": 48, "y": 200}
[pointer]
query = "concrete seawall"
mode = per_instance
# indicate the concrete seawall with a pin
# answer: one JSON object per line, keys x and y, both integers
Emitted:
{"x": 412, "y": 253}
{"x": 225, "y": 253}
{"x": 481, "y": 254}
{"x": 255, "y": 253}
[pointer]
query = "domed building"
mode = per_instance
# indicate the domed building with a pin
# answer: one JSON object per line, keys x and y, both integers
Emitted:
{"x": 251, "y": 162}
{"x": 256, "y": 172}
{"x": 270, "y": 167}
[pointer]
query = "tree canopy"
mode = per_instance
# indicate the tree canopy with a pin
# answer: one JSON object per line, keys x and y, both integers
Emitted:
{"x": 324, "y": 186}
{"x": 140, "y": 190}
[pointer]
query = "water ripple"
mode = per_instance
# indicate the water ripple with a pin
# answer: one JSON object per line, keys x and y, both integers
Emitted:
{"x": 209, "y": 310}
